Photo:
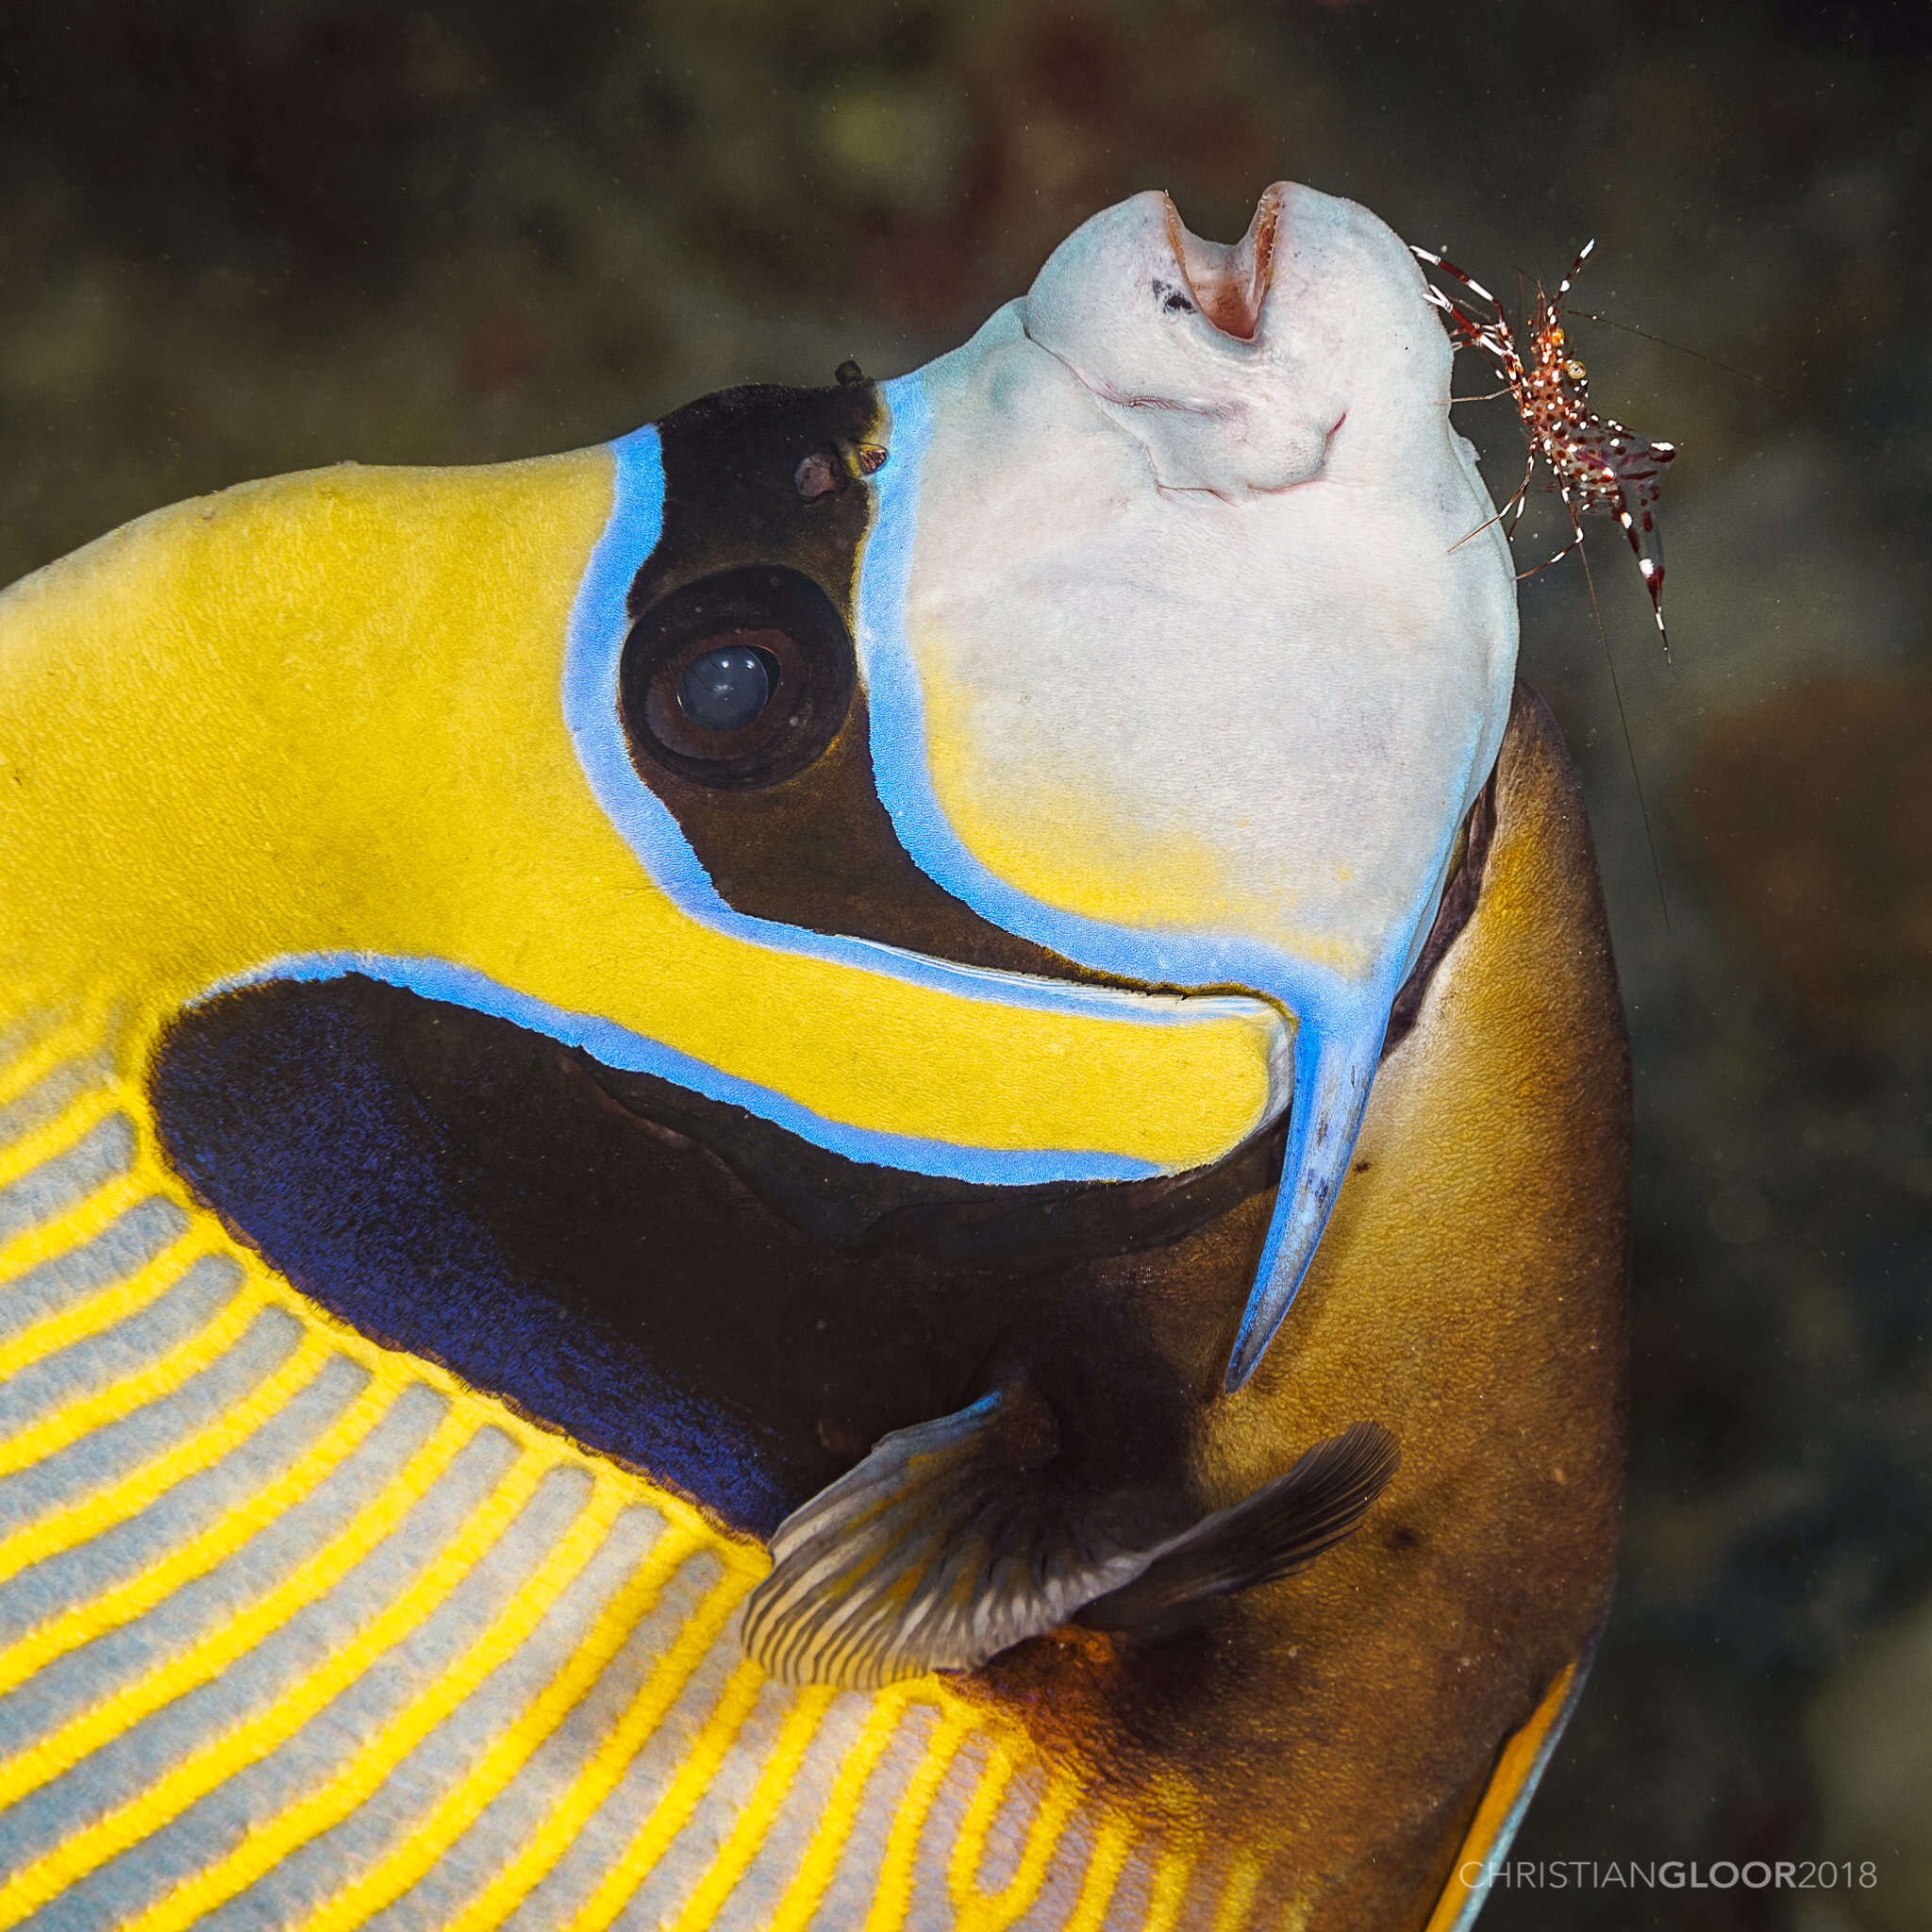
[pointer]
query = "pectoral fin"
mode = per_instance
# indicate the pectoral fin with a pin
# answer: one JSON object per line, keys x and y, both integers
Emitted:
{"x": 942, "y": 1548}
{"x": 1282, "y": 1527}
{"x": 936, "y": 1553}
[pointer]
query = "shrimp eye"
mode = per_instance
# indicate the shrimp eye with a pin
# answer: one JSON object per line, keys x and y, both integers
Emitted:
{"x": 737, "y": 681}
{"x": 1574, "y": 371}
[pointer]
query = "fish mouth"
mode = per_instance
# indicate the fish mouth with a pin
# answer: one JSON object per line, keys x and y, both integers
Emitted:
{"x": 1198, "y": 339}
{"x": 1229, "y": 282}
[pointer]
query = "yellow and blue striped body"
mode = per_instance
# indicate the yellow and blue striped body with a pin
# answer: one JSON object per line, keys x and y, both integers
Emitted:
{"x": 301, "y": 1624}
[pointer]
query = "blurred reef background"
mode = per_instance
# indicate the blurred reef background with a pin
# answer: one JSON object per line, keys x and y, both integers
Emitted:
{"x": 242, "y": 239}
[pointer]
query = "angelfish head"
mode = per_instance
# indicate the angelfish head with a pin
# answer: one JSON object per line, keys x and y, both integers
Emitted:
{"x": 1184, "y": 660}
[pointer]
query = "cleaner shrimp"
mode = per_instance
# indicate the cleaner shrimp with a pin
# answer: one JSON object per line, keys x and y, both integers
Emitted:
{"x": 1599, "y": 467}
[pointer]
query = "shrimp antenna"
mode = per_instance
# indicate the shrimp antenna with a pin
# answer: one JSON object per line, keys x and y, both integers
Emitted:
{"x": 1657, "y": 871}
{"x": 1630, "y": 328}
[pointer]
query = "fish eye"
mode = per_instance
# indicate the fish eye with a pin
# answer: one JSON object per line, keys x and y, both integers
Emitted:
{"x": 726, "y": 690}
{"x": 737, "y": 681}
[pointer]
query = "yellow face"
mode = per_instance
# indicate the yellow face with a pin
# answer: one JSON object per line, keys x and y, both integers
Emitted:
{"x": 321, "y": 719}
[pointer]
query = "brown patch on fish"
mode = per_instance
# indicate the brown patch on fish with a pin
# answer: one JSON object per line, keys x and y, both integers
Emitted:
{"x": 1469, "y": 1293}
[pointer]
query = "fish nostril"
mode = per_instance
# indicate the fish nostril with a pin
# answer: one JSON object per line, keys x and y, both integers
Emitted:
{"x": 1229, "y": 283}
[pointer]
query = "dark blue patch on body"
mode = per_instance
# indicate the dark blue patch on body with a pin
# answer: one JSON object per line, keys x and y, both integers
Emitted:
{"x": 669, "y": 1278}
{"x": 295, "y": 1128}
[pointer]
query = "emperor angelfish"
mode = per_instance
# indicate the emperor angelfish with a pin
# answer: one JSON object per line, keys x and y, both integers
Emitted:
{"x": 816, "y": 971}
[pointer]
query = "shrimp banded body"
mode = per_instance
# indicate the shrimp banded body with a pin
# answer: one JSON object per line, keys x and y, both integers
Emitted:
{"x": 1598, "y": 465}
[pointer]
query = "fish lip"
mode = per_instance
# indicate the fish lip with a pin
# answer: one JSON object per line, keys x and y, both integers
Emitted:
{"x": 1229, "y": 284}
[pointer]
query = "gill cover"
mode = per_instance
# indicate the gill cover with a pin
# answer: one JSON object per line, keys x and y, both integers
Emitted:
{"x": 1183, "y": 662}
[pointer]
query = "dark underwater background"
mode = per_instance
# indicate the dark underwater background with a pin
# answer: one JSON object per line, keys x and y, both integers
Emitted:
{"x": 237, "y": 239}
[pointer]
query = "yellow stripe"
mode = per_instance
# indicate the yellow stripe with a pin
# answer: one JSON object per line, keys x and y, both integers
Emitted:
{"x": 969, "y": 1842}
{"x": 1237, "y": 1896}
{"x": 983, "y": 1912}
{"x": 755, "y": 1821}
{"x": 195, "y": 1776}
{"x": 598, "y": 1778}
{"x": 124, "y": 1602}
{"x": 113, "y": 1303}
{"x": 79, "y": 1223}
{"x": 159, "y": 1378}
{"x": 1167, "y": 1891}
{"x": 453, "y": 1814}
{"x": 73, "y": 1040}
{"x": 1515, "y": 1771}
{"x": 821, "y": 1858}
{"x": 59, "y": 1136}
{"x": 1112, "y": 1843}
{"x": 47, "y": 1536}
{"x": 892, "y": 1895}
{"x": 88, "y": 1729}
{"x": 352, "y": 1783}
{"x": 673, "y": 1811}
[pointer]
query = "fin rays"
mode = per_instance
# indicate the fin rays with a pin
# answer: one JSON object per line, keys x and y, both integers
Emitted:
{"x": 940, "y": 1550}
{"x": 828, "y": 1793}
{"x": 1281, "y": 1528}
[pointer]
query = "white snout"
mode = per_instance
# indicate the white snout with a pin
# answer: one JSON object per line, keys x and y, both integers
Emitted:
{"x": 1297, "y": 352}
{"x": 1189, "y": 640}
